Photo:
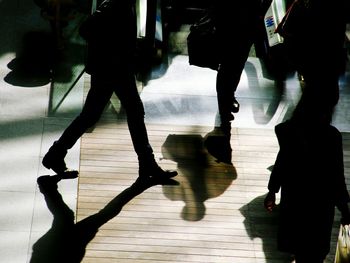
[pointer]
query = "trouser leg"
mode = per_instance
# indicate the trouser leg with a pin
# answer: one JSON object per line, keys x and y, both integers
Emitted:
{"x": 228, "y": 77}
{"x": 98, "y": 96}
{"x": 131, "y": 102}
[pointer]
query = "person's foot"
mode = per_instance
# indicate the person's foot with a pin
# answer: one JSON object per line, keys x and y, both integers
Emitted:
{"x": 154, "y": 171}
{"x": 54, "y": 159}
{"x": 217, "y": 142}
{"x": 235, "y": 106}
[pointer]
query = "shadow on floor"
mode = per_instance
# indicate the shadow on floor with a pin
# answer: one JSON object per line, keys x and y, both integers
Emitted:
{"x": 66, "y": 240}
{"x": 262, "y": 225}
{"x": 201, "y": 177}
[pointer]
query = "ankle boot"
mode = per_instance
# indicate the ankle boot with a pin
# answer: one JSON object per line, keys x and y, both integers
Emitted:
{"x": 54, "y": 159}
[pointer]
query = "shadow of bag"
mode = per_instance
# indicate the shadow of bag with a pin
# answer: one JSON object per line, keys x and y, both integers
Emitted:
{"x": 202, "y": 44}
{"x": 342, "y": 254}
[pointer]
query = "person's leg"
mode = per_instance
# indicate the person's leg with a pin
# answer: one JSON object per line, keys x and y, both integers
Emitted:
{"x": 97, "y": 98}
{"x": 128, "y": 95}
{"x": 228, "y": 77}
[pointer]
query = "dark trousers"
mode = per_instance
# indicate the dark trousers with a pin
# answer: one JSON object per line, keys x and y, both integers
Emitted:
{"x": 230, "y": 71}
{"x": 101, "y": 90}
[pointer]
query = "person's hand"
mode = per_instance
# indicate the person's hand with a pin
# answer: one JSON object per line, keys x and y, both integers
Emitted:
{"x": 270, "y": 201}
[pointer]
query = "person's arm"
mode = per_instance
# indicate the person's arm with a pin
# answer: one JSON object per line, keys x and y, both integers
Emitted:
{"x": 274, "y": 184}
{"x": 270, "y": 201}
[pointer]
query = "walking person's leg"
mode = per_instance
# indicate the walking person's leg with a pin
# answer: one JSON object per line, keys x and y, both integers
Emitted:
{"x": 228, "y": 78}
{"x": 97, "y": 98}
{"x": 131, "y": 102}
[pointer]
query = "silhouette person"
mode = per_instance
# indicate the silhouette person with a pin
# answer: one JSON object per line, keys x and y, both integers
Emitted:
{"x": 111, "y": 38}
{"x": 309, "y": 172}
{"x": 66, "y": 240}
{"x": 320, "y": 63}
{"x": 237, "y": 24}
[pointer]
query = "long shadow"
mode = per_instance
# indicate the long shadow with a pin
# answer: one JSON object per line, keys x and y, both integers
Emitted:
{"x": 66, "y": 241}
{"x": 262, "y": 225}
{"x": 201, "y": 177}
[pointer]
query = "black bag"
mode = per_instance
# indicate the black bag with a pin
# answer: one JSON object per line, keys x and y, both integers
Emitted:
{"x": 295, "y": 21}
{"x": 202, "y": 44}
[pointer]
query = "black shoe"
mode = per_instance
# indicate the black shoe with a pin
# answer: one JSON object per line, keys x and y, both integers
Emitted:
{"x": 235, "y": 106}
{"x": 154, "y": 171}
{"x": 54, "y": 159}
{"x": 217, "y": 142}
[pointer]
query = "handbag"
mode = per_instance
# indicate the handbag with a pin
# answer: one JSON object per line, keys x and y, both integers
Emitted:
{"x": 202, "y": 45}
{"x": 296, "y": 19}
{"x": 342, "y": 254}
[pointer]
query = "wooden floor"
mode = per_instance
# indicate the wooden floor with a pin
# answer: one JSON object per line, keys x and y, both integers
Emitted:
{"x": 214, "y": 215}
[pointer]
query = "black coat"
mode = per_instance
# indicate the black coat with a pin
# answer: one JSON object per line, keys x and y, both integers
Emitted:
{"x": 310, "y": 174}
{"x": 111, "y": 38}
{"x": 318, "y": 44}
{"x": 238, "y": 22}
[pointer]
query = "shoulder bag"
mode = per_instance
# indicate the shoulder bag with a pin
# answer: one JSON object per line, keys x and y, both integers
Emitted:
{"x": 202, "y": 43}
{"x": 342, "y": 254}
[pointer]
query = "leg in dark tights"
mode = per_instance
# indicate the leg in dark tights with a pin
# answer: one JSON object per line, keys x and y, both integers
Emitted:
{"x": 96, "y": 100}
{"x": 228, "y": 77}
{"x": 131, "y": 102}
{"x": 99, "y": 94}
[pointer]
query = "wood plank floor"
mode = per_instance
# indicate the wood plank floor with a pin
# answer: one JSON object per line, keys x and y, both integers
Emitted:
{"x": 214, "y": 215}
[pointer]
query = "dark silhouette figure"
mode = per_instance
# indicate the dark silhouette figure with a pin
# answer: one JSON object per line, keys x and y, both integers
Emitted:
{"x": 201, "y": 177}
{"x": 309, "y": 172}
{"x": 66, "y": 241}
{"x": 320, "y": 63}
{"x": 237, "y": 25}
{"x": 111, "y": 37}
